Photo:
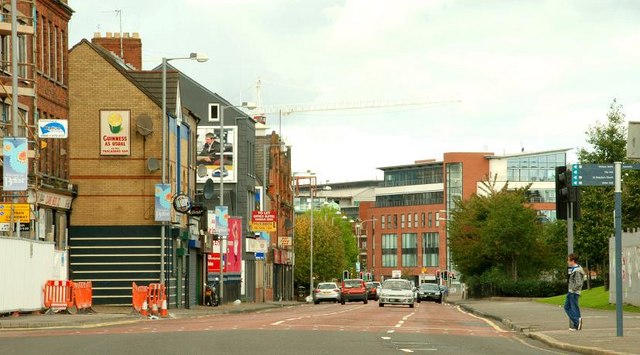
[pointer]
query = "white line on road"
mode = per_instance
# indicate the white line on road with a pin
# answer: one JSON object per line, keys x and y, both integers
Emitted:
{"x": 497, "y": 328}
{"x": 406, "y": 350}
{"x": 385, "y": 338}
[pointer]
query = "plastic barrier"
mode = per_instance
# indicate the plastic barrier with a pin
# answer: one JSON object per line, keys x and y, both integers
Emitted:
{"x": 156, "y": 292}
{"x": 58, "y": 295}
{"x": 83, "y": 294}
{"x": 139, "y": 299}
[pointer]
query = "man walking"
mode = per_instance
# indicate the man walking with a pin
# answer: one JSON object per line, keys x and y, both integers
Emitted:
{"x": 576, "y": 279}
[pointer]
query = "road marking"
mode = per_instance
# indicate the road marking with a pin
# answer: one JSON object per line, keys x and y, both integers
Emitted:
{"x": 385, "y": 338}
{"x": 390, "y": 331}
{"x": 497, "y": 328}
{"x": 406, "y": 350}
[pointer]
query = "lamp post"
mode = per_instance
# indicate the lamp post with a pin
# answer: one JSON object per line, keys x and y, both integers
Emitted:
{"x": 200, "y": 57}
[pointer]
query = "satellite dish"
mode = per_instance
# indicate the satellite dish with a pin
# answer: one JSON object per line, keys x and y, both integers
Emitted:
{"x": 208, "y": 189}
{"x": 202, "y": 170}
{"x": 153, "y": 165}
{"x": 144, "y": 125}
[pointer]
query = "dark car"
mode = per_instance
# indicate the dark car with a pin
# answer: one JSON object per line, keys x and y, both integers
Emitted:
{"x": 372, "y": 290}
{"x": 354, "y": 290}
{"x": 429, "y": 292}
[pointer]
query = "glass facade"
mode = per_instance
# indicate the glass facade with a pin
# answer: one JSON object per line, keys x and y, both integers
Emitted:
{"x": 409, "y": 249}
{"x": 424, "y": 198}
{"x": 419, "y": 175}
{"x": 389, "y": 250}
{"x": 542, "y": 195}
{"x": 541, "y": 167}
{"x": 430, "y": 249}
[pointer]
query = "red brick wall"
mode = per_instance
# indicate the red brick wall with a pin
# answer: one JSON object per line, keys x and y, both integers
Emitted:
{"x": 131, "y": 46}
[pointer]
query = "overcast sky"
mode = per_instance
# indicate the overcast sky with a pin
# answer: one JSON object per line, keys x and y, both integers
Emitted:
{"x": 530, "y": 75}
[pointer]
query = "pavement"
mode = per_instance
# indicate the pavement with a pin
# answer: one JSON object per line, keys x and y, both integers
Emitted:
{"x": 546, "y": 323}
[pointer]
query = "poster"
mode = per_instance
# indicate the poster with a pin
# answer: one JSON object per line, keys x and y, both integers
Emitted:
{"x": 115, "y": 127}
{"x": 15, "y": 164}
{"x": 233, "y": 258}
{"x": 163, "y": 203}
{"x": 208, "y": 145}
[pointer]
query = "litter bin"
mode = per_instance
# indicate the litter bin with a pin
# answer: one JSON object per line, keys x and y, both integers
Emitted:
{"x": 301, "y": 293}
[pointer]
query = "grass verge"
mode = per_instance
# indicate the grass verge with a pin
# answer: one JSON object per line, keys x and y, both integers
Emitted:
{"x": 597, "y": 298}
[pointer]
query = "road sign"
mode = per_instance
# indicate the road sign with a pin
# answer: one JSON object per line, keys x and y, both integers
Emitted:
{"x": 592, "y": 175}
{"x": 596, "y": 174}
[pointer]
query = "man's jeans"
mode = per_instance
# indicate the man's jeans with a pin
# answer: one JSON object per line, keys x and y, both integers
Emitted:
{"x": 572, "y": 309}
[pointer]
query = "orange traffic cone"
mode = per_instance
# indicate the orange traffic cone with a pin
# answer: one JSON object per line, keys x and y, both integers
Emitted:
{"x": 154, "y": 308}
{"x": 163, "y": 310}
{"x": 144, "y": 309}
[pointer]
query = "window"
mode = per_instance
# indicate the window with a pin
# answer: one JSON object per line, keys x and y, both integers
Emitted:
{"x": 415, "y": 220}
{"x": 383, "y": 220}
{"x": 430, "y": 219}
{"x": 422, "y": 221}
{"x": 388, "y": 221}
{"x": 409, "y": 220}
{"x": 409, "y": 249}
{"x": 54, "y": 70}
{"x": 402, "y": 221}
{"x": 395, "y": 221}
{"x": 389, "y": 250}
{"x": 430, "y": 249}
{"x": 437, "y": 219}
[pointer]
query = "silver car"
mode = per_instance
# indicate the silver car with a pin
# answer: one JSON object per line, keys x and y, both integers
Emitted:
{"x": 396, "y": 291}
{"x": 326, "y": 291}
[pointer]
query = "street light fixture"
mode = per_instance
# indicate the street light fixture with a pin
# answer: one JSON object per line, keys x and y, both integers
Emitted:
{"x": 200, "y": 58}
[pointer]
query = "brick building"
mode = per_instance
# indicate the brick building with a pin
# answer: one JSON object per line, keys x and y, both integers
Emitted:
{"x": 115, "y": 151}
{"x": 42, "y": 204}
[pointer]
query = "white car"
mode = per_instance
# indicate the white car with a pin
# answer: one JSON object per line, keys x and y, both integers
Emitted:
{"x": 326, "y": 291}
{"x": 396, "y": 291}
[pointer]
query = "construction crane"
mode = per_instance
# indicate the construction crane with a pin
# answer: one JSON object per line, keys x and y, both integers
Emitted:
{"x": 261, "y": 112}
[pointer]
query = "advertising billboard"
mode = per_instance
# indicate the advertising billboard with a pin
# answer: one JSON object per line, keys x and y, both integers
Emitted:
{"x": 208, "y": 143}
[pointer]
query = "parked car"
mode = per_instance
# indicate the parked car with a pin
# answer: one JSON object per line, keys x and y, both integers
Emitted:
{"x": 326, "y": 291}
{"x": 396, "y": 291}
{"x": 430, "y": 292}
{"x": 354, "y": 290}
{"x": 372, "y": 290}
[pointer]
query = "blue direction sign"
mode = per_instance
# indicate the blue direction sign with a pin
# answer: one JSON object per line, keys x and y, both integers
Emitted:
{"x": 596, "y": 174}
{"x": 592, "y": 175}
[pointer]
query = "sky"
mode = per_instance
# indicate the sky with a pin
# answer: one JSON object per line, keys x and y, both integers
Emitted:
{"x": 493, "y": 76}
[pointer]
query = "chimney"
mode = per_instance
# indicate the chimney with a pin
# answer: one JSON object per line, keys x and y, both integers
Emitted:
{"x": 128, "y": 47}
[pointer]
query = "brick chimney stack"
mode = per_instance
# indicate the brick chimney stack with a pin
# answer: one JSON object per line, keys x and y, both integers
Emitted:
{"x": 131, "y": 46}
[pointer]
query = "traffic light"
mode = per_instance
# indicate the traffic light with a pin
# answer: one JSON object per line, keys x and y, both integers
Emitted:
{"x": 562, "y": 191}
{"x": 565, "y": 194}
{"x": 345, "y": 274}
{"x": 369, "y": 278}
{"x": 362, "y": 275}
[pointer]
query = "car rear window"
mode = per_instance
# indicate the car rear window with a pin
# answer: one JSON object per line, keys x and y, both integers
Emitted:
{"x": 430, "y": 287}
{"x": 327, "y": 286}
{"x": 352, "y": 283}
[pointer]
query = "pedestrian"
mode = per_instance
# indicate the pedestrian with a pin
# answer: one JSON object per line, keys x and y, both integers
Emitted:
{"x": 576, "y": 279}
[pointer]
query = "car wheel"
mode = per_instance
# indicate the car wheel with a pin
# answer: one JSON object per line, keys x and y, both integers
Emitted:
{"x": 439, "y": 301}
{"x": 411, "y": 305}
{"x": 418, "y": 300}
{"x": 380, "y": 304}
{"x": 316, "y": 302}
{"x": 342, "y": 301}
{"x": 366, "y": 301}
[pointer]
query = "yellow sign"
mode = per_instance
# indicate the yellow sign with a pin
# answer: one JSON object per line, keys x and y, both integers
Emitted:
{"x": 263, "y": 226}
{"x": 21, "y": 212}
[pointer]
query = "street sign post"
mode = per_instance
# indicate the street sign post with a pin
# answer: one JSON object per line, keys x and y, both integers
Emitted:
{"x": 596, "y": 174}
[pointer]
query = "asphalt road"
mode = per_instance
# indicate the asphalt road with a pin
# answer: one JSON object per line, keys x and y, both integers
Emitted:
{"x": 352, "y": 329}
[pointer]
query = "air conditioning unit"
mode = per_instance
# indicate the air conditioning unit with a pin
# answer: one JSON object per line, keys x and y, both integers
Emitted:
{"x": 214, "y": 112}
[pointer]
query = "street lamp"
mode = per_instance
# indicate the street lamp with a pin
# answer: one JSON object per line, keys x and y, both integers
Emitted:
{"x": 200, "y": 57}
{"x": 359, "y": 225}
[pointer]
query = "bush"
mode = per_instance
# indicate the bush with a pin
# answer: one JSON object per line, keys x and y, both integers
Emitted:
{"x": 496, "y": 285}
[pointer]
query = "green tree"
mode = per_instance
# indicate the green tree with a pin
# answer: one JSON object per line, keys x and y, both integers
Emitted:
{"x": 333, "y": 246}
{"x": 498, "y": 233}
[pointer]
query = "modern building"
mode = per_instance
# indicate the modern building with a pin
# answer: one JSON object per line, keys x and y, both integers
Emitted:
{"x": 410, "y": 214}
{"x": 37, "y": 193}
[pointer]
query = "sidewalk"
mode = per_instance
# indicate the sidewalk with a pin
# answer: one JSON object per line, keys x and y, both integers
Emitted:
{"x": 549, "y": 324}
{"x": 107, "y": 315}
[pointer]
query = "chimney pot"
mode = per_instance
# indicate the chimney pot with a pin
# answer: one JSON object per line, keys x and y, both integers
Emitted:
{"x": 96, "y": 35}
{"x": 125, "y": 35}
{"x": 116, "y": 35}
{"x": 136, "y": 35}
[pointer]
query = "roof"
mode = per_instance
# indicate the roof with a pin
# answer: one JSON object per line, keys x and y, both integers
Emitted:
{"x": 524, "y": 154}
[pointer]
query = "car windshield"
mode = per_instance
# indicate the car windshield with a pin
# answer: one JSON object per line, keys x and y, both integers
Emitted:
{"x": 376, "y": 284}
{"x": 352, "y": 283}
{"x": 327, "y": 286}
{"x": 432, "y": 287}
{"x": 396, "y": 285}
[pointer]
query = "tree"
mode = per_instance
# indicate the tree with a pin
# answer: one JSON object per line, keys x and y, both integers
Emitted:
{"x": 608, "y": 142}
{"x": 333, "y": 246}
{"x": 498, "y": 233}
